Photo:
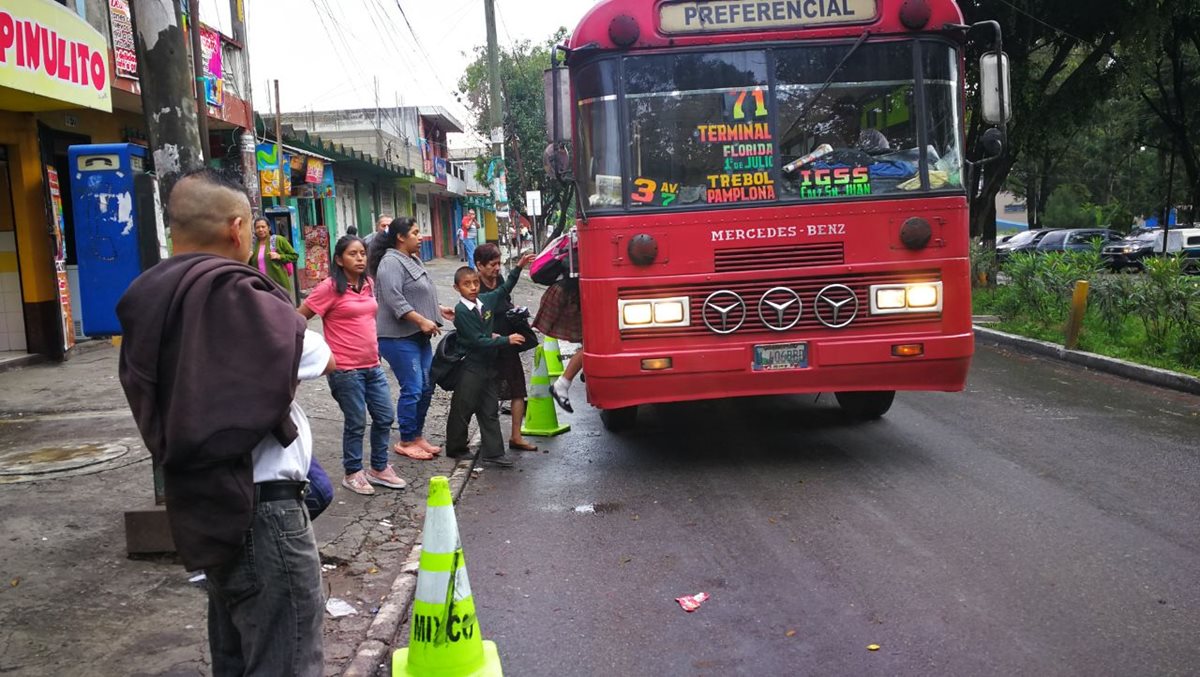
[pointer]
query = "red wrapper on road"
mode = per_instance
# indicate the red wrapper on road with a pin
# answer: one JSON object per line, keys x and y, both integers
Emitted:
{"x": 692, "y": 602}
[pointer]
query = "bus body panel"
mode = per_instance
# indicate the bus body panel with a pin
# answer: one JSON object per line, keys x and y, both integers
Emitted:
{"x": 759, "y": 251}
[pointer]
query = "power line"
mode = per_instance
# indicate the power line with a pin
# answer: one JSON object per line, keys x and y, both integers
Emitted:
{"x": 425, "y": 55}
{"x": 337, "y": 30}
{"x": 1047, "y": 25}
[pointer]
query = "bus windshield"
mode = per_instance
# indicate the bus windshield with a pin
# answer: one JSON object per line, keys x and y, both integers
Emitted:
{"x": 778, "y": 125}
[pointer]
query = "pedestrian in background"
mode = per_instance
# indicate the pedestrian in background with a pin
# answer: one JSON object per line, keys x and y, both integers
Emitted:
{"x": 347, "y": 307}
{"x": 409, "y": 317}
{"x": 381, "y": 225}
{"x": 510, "y": 372}
{"x": 376, "y": 247}
{"x": 273, "y": 255}
{"x": 211, "y": 356}
{"x": 469, "y": 234}
{"x": 475, "y": 395}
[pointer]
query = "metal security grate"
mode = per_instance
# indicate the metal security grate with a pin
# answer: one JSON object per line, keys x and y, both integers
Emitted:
{"x": 783, "y": 256}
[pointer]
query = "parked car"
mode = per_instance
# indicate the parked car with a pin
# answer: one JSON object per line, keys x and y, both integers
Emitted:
{"x": 1076, "y": 239}
{"x": 1024, "y": 241}
{"x": 1191, "y": 252}
{"x": 1129, "y": 255}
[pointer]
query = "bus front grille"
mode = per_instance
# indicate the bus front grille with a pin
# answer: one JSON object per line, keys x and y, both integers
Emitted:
{"x": 782, "y": 256}
{"x": 751, "y": 292}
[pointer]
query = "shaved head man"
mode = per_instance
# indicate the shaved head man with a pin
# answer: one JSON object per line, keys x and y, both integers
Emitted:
{"x": 211, "y": 357}
{"x": 210, "y": 213}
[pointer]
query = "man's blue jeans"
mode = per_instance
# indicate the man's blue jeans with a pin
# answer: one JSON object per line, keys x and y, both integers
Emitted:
{"x": 358, "y": 392}
{"x": 410, "y": 358}
{"x": 470, "y": 247}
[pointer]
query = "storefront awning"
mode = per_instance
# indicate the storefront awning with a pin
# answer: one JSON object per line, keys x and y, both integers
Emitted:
{"x": 345, "y": 157}
{"x": 77, "y": 76}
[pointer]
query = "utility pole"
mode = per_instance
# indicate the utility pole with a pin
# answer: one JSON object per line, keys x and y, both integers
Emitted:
{"x": 249, "y": 142}
{"x": 495, "y": 105}
{"x": 1166, "y": 222}
{"x": 378, "y": 123}
{"x": 198, "y": 66}
{"x": 167, "y": 80}
{"x": 279, "y": 146}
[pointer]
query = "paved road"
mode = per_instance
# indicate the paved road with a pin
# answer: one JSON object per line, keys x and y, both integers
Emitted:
{"x": 1042, "y": 523}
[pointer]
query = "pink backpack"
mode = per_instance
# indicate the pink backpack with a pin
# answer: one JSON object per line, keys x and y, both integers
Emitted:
{"x": 555, "y": 260}
{"x": 291, "y": 269}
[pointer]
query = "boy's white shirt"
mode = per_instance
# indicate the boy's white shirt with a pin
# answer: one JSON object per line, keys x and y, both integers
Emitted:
{"x": 273, "y": 461}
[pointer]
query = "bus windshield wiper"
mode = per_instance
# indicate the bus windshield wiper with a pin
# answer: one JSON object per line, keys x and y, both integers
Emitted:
{"x": 803, "y": 116}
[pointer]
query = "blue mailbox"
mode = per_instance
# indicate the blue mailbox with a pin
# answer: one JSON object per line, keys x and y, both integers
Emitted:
{"x": 118, "y": 227}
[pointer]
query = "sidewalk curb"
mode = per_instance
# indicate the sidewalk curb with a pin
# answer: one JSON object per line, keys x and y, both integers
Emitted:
{"x": 14, "y": 363}
{"x": 1162, "y": 378}
{"x": 31, "y": 359}
{"x": 375, "y": 650}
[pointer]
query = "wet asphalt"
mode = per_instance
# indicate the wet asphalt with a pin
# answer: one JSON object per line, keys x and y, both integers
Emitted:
{"x": 1044, "y": 522}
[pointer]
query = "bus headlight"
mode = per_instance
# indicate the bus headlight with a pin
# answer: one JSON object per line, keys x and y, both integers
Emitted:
{"x": 916, "y": 297}
{"x": 644, "y": 313}
{"x": 889, "y": 299}
{"x": 669, "y": 312}
{"x": 923, "y": 296}
{"x": 637, "y": 313}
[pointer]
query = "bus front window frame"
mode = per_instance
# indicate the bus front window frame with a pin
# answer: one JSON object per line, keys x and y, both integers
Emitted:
{"x": 933, "y": 101}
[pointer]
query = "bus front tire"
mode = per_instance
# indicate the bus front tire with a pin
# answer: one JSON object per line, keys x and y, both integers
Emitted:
{"x": 619, "y": 420}
{"x": 866, "y": 406}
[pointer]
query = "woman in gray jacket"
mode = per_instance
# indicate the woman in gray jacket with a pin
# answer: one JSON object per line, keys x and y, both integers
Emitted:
{"x": 408, "y": 319}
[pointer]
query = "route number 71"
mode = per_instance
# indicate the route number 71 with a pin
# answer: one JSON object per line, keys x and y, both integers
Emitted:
{"x": 760, "y": 108}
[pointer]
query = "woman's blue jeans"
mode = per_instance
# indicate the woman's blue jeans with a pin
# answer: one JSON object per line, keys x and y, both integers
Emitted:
{"x": 410, "y": 358}
{"x": 359, "y": 391}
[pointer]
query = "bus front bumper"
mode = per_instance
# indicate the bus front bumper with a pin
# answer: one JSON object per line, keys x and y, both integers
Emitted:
{"x": 615, "y": 381}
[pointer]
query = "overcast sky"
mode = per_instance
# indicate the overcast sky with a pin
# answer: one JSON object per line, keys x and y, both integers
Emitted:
{"x": 327, "y": 54}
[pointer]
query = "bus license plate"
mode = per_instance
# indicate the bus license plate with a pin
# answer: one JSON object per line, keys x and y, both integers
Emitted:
{"x": 780, "y": 356}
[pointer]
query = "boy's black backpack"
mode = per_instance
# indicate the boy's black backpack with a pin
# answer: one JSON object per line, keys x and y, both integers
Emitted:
{"x": 447, "y": 362}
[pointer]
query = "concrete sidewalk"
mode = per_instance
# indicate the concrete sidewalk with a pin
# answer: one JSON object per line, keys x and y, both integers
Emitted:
{"x": 71, "y": 463}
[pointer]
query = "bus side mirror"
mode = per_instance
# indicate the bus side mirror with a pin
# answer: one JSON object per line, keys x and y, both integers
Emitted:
{"x": 993, "y": 143}
{"x": 994, "y": 88}
{"x": 558, "y": 103}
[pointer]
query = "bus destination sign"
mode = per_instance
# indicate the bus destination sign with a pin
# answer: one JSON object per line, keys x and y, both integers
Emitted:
{"x": 715, "y": 16}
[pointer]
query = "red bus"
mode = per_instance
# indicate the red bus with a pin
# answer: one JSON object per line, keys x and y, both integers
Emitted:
{"x": 772, "y": 200}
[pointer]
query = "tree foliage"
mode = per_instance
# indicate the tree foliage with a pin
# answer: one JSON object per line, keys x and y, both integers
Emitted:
{"x": 1105, "y": 92}
{"x": 1059, "y": 80}
{"x": 521, "y": 67}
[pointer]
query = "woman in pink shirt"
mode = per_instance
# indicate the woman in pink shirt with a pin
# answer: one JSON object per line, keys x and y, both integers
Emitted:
{"x": 346, "y": 303}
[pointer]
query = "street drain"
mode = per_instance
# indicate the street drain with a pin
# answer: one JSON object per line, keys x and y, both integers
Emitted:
{"x": 52, "y": 460}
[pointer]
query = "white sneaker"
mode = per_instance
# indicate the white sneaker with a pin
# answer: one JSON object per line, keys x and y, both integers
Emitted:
{"x": 385, "y": 478}
{"x": 357, "y": 483}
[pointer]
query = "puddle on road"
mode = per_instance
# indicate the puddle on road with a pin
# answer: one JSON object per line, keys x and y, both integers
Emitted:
{"x": 597, "y": 508}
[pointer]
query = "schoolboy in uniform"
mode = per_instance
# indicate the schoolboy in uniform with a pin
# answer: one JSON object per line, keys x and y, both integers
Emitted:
{"x": 476, "y": 394}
